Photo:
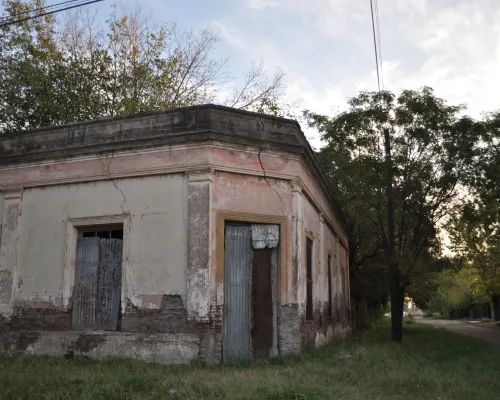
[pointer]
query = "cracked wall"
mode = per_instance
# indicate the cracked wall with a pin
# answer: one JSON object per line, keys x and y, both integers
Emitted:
{"x": 155, "y": 254}
{"x": 250, "y": 195}
{"x": 170, "y": 263}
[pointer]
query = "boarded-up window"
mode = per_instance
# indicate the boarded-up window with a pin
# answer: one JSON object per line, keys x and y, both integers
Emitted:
{"x": 309, "y": 279}
{"x": 97, "y": 289}
{"x": 330, "y": 308}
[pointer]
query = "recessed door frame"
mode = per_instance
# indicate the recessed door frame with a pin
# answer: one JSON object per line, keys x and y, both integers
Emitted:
{"x": 282, "y": 276}
{"x": 72, "y": 227}
{"x": 282, "y": 221}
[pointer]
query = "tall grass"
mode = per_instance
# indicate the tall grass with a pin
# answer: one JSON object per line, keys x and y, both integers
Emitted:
{"x": 430, "y": 364}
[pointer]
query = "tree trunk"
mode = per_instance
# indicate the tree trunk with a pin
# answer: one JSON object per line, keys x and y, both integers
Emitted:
{"x": 496, "y": 307}
{"x": 397, "y": 305}
{"x": 397, "y": 292}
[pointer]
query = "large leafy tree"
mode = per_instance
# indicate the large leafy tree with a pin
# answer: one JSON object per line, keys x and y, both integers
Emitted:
{"x": 399, "y": 163}
{"x": 71, "y": 69}
{"x": 476, "y": 231}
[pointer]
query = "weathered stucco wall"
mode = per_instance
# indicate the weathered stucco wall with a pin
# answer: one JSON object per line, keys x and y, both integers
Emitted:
{"x": 323, "y": 327}
{"x": 168, "y": 176}
{"x": 246, "y": 195}
{"x": 155, "y": 246}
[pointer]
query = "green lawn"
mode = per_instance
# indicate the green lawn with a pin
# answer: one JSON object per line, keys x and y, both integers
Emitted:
{"x": 430, "y": 364}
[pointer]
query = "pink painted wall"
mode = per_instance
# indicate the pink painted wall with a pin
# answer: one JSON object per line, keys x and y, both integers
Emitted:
{"x": 249, "y": 195}
{"x": 238, "y": 186}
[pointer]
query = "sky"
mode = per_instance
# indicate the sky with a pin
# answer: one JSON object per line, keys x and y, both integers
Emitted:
{"x": 326, "y": 46}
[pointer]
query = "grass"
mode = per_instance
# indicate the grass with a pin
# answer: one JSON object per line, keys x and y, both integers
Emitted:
{"x": 430, "y": 364}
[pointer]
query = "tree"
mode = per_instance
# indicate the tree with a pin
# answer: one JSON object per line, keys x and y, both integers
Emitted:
{"x": 410, "y": 152}
{"x": 475, "y": 233}
{"x": 59, "y": 71}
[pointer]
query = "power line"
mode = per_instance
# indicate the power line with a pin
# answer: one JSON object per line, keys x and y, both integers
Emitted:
{"x": 375, "y": 45}
{"x": 379, "y": 45}
{"x": 45, "y": 8}
{"x": 48, "y": 13}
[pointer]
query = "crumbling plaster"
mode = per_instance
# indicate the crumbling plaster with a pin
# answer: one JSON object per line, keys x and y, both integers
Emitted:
{"x": 155, "y": 252}
{"x": 168, "y": 177}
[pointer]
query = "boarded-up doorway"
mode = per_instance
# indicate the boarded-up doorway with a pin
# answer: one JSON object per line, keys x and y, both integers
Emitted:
{"x": 98, "y": 273}
{"x": 250, "y": 291}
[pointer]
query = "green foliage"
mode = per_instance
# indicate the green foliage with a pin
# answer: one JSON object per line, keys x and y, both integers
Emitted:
{"x": 434, "y": 150}
{"x": 60, "y": 71}
{"x": 475, "y": 232}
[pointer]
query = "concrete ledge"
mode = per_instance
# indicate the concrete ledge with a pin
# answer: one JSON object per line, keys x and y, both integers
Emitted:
{"x": 173, "y": 126}
{"x": 155, "y": 348}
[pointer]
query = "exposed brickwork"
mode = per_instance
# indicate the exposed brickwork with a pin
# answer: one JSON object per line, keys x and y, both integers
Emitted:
{"x": 171, "y": 317}
{"x": 211, "y": 337}
{"x": 319, "y": 324}
{"x": 33, "y": 318}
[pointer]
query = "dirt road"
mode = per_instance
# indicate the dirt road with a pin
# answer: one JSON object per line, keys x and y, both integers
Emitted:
{"x": 488, "y": 335}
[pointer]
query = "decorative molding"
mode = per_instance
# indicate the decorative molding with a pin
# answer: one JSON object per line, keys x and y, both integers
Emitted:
{"x": 191, "y": 170}
{"x": 12, "y": 194}
{"x": 158, "y": 149}
{"x": 297, "y": 185}
{"x": 201, "y": 175}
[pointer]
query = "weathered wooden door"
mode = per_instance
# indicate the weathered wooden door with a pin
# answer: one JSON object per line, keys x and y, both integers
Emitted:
{"x": 110, "y": 283}
{"x": 262, "y": 304}
{"x": 97, "y": 289}
{"x": 85, "y": 288}
{"x": 237, "y": 281}
{"x": 250, "y": 291}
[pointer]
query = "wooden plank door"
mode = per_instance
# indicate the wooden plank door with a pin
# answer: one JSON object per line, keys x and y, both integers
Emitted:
{"x": 85, "y": 288}
{"x": 109, "y": 283}
{"x": 262, "y": 303}
{"x": 237, "y": 282}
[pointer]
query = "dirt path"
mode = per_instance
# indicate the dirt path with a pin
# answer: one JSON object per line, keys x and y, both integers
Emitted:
{"x": 486, "y": 334}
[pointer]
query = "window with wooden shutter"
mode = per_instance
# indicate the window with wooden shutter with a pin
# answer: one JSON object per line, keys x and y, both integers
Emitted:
{"x": 97, "y": 288}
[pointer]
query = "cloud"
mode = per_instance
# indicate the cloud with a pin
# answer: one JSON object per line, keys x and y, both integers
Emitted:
{"x": 326, "y": 46}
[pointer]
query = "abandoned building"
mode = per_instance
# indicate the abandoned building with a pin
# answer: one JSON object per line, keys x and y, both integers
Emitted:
{"x": 202, "y": 233}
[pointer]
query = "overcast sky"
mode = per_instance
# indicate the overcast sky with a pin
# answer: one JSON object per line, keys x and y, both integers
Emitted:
{"x": 326, "y": 46}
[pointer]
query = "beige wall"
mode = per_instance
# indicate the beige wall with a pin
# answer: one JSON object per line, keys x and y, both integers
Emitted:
{"x": 154, "y": 257}
{"x": 240, "y": 179}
